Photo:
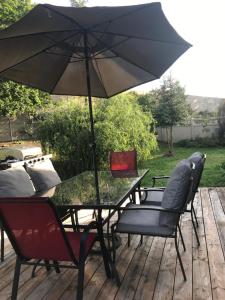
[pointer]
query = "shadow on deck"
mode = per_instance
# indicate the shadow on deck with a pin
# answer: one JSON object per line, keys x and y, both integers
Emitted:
{"x": 149, "y": 271}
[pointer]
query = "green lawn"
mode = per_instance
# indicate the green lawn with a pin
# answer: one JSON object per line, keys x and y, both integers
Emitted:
{"x": 212, "y": 175}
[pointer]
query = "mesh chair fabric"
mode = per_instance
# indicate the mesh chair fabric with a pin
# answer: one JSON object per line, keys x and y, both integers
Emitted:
{"x": 36, "y": 231}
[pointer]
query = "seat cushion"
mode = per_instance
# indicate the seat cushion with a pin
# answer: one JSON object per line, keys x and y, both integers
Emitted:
{"x": 43, "y": 175}
{"x": 142, "y": 222}
{"x": 15, "y": 182}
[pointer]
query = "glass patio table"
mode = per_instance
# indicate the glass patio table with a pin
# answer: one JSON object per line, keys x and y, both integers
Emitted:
{"x": 79, "y": 192}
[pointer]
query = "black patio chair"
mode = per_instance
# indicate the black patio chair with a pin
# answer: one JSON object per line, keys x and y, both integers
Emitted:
{"x": 162, "y": 221}
{"x": 36, "y": 232}
{"x": 154, "y": 196}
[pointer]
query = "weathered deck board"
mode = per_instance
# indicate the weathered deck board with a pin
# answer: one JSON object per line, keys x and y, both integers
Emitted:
{"x": 147, "y": 271}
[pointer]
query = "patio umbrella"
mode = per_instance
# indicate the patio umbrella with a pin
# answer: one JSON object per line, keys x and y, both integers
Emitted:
{"x": 90, "y": 51}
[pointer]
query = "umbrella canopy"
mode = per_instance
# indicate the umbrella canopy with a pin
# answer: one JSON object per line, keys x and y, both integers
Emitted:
{"x": 126, "y": 46}
{"x": 96, "y": 51}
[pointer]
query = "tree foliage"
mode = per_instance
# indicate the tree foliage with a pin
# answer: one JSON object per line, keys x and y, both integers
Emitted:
{"x": 123, "y": 126}
{"x": 13, "y": 10}
{"x": 148, "y": 101}
{"x": 171, "y": 108}
{"x": 120, "y": 124}
{"x": 16, "y": 99}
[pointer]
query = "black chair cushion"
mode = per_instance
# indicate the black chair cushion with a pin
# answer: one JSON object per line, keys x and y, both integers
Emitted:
{"x": 176, "y": 191}
{"x": 143, "y": 222}
{"x": 198, "y": 159}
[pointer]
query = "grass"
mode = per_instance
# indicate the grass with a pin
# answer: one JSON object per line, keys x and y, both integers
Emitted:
{"x": 213, "y": 174}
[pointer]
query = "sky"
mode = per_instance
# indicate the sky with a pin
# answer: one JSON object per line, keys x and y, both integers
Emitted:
{"x": 200, "y": 22}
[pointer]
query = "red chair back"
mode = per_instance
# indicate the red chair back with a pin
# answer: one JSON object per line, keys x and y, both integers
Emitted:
{"x": 34, "y": 229}
{"x": 123, "y": 161}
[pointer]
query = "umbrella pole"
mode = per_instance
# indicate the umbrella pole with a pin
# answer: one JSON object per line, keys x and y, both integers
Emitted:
{"x": 91, "y": 117}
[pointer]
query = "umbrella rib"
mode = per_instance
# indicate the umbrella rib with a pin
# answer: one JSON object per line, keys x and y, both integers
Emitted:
{"x": 24, "y": 60}
{"x": 37, "y": 33}
{"x": 65, "y": 16}
{"x": 134, "y": 64}
{"x": 142, "y": 38}
{"x": 99, "y": 76}
{"x": 57, "y": 42}
{"x": 109, "y": 48}
{"x": 121, "y": 16}
{"x": 61, "y": 73}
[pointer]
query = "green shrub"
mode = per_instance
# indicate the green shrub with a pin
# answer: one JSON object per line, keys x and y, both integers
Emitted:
{"x": 120, "y": 125}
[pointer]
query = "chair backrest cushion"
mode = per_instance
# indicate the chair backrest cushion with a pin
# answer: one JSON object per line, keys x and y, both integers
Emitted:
{"x": 43, "y": 175}
{"x": 33, "y": 229}
{"x": 15, "y": 182}
{"x": 176, "y": 192}
{"x": 198, "y": 159}
{"x": 124, "y": 160}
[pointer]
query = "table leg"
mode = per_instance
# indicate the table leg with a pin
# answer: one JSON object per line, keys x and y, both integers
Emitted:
{"x": 110, "y": 268}
{"x": 105, "y": 253}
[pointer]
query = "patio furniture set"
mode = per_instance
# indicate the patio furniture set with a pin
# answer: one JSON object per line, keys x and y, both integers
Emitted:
{"x": 34, "y": 203}
{"x": 91, "y": 52}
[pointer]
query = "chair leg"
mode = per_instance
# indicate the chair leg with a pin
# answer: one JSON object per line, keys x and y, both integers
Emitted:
{"x": 2, "y": 245}
{"x": 57, "y": 269}
{"x": 196, "y": 221}
{"x": 180, "y": 261}
{"x": 113, "y": 245}
{"x": 108, "y": 231}
{"x": 181, "y": 236}
{"x": 80, "y": 281}
{"x": 128, "y": 240}
{"x": 16, "y": 279}
{"x": 195, "y": 230}
{"x": 141, "y": 240}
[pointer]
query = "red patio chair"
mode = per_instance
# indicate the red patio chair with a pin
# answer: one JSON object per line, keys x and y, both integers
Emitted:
{"x": 123, "y": 161}
{"x": 36, "y": 232}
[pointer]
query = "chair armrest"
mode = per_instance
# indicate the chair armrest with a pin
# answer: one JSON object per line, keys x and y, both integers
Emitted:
{"x": 149, "y": 189}
{"x": 154, "y": 178}
{"x": 150, "y": 207}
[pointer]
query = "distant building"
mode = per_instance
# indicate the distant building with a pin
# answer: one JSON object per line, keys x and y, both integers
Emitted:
{"x": 199, "y": 103}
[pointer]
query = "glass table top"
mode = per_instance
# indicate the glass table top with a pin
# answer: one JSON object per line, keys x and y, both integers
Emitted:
{"x": 114, "y": 187}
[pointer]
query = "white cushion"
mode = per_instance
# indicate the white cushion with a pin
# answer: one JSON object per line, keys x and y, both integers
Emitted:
{"x": 15, "y": 182}
{"x": 43, "y": 175}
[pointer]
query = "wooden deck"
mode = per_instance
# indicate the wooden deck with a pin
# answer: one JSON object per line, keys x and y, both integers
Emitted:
{"x": 150, "y": 271}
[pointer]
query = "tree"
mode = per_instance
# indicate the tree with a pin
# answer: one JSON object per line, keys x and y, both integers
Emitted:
{"x": 148, "y": 101}
{"x": 171, "y": 107}
{"x": 121, "y": 125}
{"x": 16, "y": 99}
{"x": 78, "y": 3}
{"x": 13, "y": 10}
